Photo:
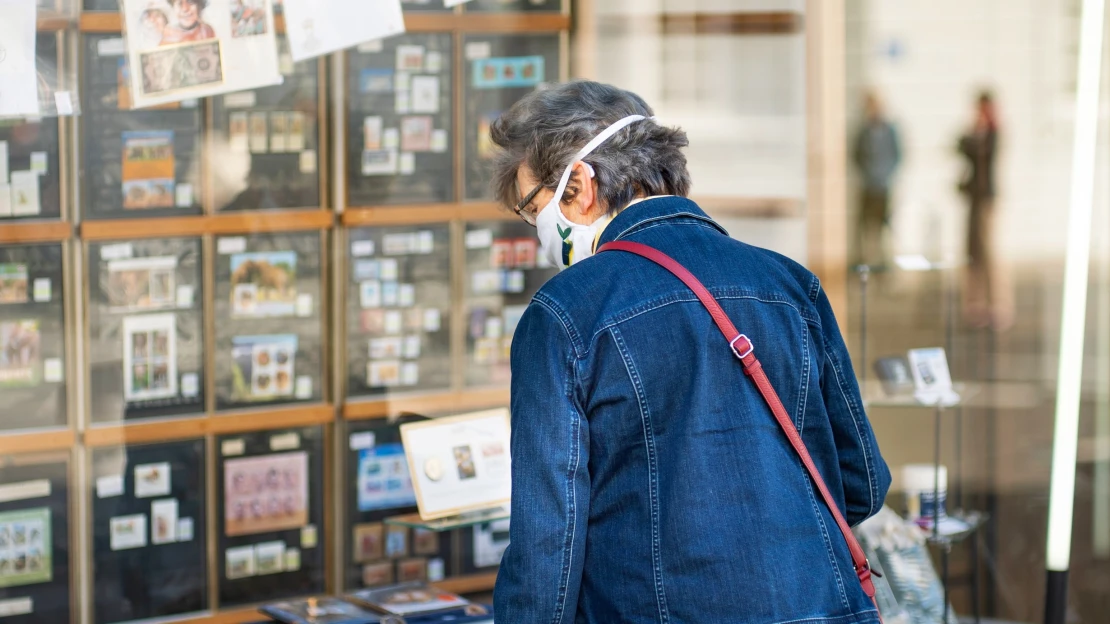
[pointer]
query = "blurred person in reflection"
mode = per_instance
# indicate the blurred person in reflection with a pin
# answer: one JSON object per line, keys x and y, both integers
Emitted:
{"x": 877, "y": 153}
{"x": 650, "y": 481}
{"x": 188, "y": 26}
{"x": 987, "y": 300}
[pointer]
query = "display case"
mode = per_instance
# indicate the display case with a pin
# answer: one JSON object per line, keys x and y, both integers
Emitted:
{"x": 499, "y": 71}
{"x": 400, "y": 129}
{"x": 148, "y": 531}
{"x": 503, "y": 270}
{"x": 134, "y": 163}
{"x": 270, "y": 510}
{"x": 399, "y": 310}
{"x": 146, "y": 329}
{"x": 30, "y": 161}
{"x": 267, "y": 142}
{"x": 379, "y": 487}
{"x": 32, "y": 337}
{"x": 35, "y": 555}
{"x": 269, "y": 319}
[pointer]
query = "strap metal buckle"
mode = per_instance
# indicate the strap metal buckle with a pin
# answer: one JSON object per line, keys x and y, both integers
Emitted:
{"x": 867, "y": 570}
{"x": 751, "y": 346}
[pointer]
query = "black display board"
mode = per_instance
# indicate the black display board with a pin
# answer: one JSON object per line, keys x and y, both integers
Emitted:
{"x": 269, "y": 310}
{"x": 31, "y": 150}
{"x": 32, "y": 343}
{"x": 270, "y": 514}
{"x": 134, "y": 163}
{"x": 149, "y": 546}
{"x": 500, "y": 69}
{"x": 515, "y": 6}
{"x": 379, "y": 487}
{"x": 146, "y": 328}
{"x": 266, "y": 141}
{"x": 503, "y": 271}
{"x": 399, "y": 310}
{"x": 399, "y": 121}
{"x": 34, "y": 540}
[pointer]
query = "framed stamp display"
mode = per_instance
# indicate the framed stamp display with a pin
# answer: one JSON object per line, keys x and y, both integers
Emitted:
{"x": 503, "y": 271}
{"x": 499, "y": 70}
{"x": 148, "y": 515}
{"x": 30, "y": 175}
{"x": 266, "y": 142}
{"x": 459, "y": 463}
{"x": 269, "y": 319}
{"x": 134, "y": 163}
{"x": 146, "y": 329}
{"x": 399, "y": 310}
{"x": 32, "y": 337}
{"x": 379, "y": 486}
{"x": 270, "y": 514}
{"x": 514, "y": 6}
{"x": 399, "y": 121}
{"x": 35, "y": 551}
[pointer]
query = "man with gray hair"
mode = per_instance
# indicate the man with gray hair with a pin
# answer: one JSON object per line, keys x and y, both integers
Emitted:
{"x": 651, "y": 480}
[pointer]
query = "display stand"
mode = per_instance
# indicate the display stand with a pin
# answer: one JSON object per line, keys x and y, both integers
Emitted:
{"x": 461, "y": 521}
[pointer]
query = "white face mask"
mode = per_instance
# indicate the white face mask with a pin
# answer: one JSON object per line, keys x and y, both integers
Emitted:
{"x": 562, "y": 242}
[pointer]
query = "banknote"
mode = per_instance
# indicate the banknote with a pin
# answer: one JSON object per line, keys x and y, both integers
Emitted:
{"x": 184, "y": 66}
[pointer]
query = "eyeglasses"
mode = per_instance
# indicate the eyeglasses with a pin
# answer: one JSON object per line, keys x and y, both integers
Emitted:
{"x": 526, "y": 216}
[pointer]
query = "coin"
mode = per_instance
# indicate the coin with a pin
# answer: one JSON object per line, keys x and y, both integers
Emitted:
{"x": 433, "y": 468}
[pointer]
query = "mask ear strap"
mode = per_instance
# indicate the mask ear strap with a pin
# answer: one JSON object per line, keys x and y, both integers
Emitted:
{"x": 591, "y": 146}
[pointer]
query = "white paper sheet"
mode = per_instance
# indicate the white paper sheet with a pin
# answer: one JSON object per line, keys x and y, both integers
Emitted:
{"x": 19, "y": 93}
{"x": 318, "y": 27}
{"x": 176, "y": 54}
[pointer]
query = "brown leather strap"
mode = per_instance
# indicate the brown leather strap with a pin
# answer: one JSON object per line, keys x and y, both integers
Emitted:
{"x": 743, "y": 349}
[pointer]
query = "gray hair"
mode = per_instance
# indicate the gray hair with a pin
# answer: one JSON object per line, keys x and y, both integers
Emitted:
{"x": 546, "y": 128}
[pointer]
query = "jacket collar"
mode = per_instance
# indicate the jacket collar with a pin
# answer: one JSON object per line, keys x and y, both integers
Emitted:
{"x": 653, "y": 210}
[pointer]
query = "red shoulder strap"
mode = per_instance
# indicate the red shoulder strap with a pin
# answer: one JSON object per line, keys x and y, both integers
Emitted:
{"x": 743, "y": 349}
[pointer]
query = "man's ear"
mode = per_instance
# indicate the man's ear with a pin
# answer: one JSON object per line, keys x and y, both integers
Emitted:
{"x": 587, "y": 188}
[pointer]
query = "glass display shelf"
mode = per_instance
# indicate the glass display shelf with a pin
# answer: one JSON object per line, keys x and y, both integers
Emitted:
{"x": 461, "y": 521}
{"x": 956, "y": 527}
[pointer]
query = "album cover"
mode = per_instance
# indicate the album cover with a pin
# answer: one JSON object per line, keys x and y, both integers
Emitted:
{"x": 263, "y": 366}
{"x": 149, "y": 357}
{"x": 263, "y": 284}
{"x": 13, "y": 283}
{"x": 26, "y": 547}
{"x": 142, "y": 284}
{"x": 148, "y": 169}
{"x": 383, "y": 478}
{"x": 265, "y": 493}
{"x": 369, "y": 542}
{"x": 20, "y": 353}
{"x": 416, "y": 598}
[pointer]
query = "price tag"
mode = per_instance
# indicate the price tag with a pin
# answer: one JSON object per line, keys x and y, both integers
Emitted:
{"x": 231, "y": 245}
{"x": 107, "y": 487}
{"x": 285, "y": 441}
{"x": 371, "y": 47}
{"x": 363, "y": 440}
{"x": 230, "y": 448}
{"x": 304, "y": 305}
{"x": 43, "y": 290}
{"x": 117, "y": 251}
{"x": 110, "y": 47}
{"x": 308, "y": 161}
{"x": 16, "y": 606}
{"x": 38, "y": 162}
{"x": 478, "y": 50}
{"x": 360, "y": 249}
{"x": 308, "y": 536}
{"x": 243, "y": 99}
{"x": 185, "y": 296}
{"x": 479, "y": 239}
{"x": 304, "y": 387}
{"x": 52, "y": 370}
{"x": 184, "y": 195}
{"x": 190, "y": 385}
{"x": 185, "y": 529}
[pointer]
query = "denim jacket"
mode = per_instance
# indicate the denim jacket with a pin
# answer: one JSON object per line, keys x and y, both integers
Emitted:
{"x": 650, "y": 481}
